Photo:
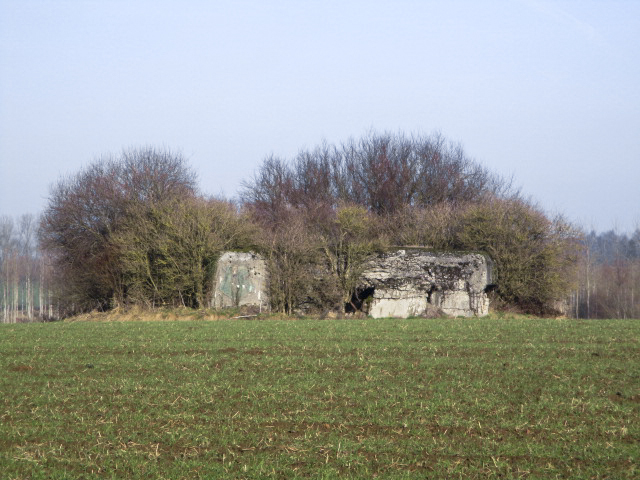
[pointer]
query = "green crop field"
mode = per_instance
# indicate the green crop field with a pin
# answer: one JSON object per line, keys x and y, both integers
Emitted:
{"x": 453, "y": 398}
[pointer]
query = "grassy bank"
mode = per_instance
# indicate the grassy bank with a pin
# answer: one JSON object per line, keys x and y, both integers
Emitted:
{"x": 476, "y": 398}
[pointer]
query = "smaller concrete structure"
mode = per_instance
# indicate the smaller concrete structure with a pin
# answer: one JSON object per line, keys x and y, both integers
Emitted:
{"x": 241, "y": 279}
{"x": 415, "y": 282}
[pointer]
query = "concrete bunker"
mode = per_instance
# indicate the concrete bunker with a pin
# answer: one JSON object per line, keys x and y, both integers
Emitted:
{"x": 240, "y": 280}
{"x": 416, "y": 282}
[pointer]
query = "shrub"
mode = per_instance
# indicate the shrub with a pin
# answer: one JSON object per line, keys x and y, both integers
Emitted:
{"x": 169, "y": 250}
{"x": 535, "y": 257}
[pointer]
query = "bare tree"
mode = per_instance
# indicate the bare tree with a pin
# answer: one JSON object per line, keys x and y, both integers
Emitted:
{"x": 292, "y": 255}
{"x": 27, "y": 242}
{"x": 350, "y": 238}
{"x": 7, "y": 271}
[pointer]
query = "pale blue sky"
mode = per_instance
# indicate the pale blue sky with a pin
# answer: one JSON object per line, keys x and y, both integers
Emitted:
{"x": 548, "y": 92}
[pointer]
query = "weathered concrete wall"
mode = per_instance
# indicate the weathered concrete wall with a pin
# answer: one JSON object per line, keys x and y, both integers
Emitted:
{"x": 414, "y": 282}
{"x": 241, "y": 279}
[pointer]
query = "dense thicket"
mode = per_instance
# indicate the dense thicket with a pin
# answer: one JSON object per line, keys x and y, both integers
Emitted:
{"x": 415, "y": 191}
{"x": 132, "y": 229}
{"x": 317, "y": 256}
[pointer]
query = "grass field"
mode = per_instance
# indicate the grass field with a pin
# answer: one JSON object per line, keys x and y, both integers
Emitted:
{"x": 416, "y": 398}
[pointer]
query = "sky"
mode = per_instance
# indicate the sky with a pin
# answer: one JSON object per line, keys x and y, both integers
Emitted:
{"x": 546, "y": 92}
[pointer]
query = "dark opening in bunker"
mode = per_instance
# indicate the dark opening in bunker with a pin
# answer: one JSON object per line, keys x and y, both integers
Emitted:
{"x": 433, "y": 295}
{"x": 360, "y": 300}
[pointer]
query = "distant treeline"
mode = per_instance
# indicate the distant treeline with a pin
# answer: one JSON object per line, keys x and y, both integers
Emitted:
{"x": 25, "y": 273}
{"x": 135, "y": 230}
{"x": 610, "y": 246}
{"x": 609, "y": 276}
